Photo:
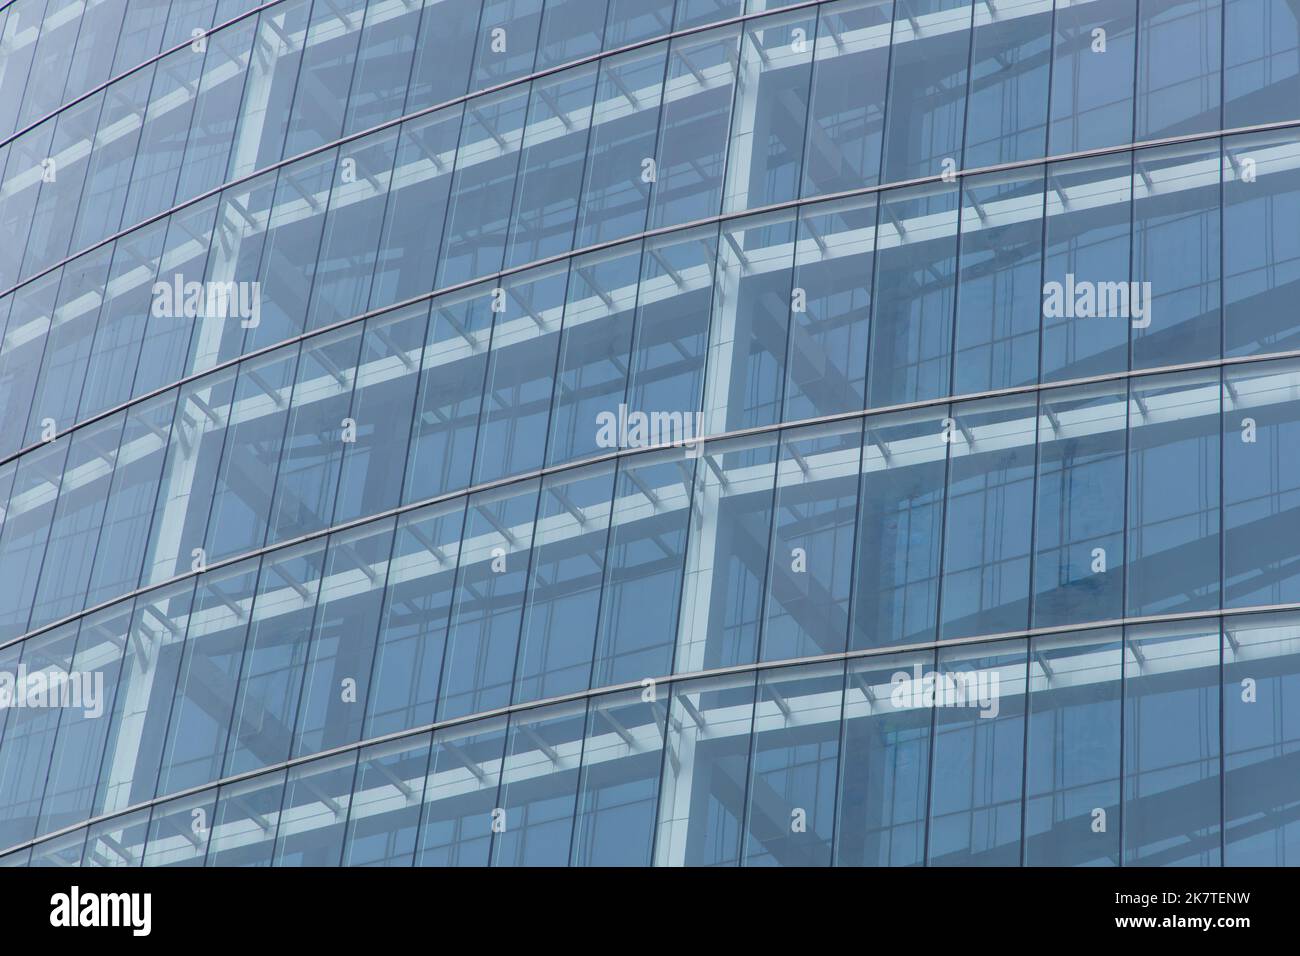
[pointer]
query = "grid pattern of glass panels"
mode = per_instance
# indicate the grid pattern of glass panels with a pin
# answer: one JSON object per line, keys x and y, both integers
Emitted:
{"x": 1094, "y": 748}
{"x": 360, "y": 576}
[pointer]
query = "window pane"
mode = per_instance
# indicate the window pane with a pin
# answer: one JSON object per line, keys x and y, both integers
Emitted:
{"x": 563, "y": 604}
{"x": 979, "y": 739}
{"x": 461, "y": 793}
{"x": 726, "y": 557}
{"x": 989, "y": 520}
{"x": 1261, "y": 667}
{"x": 796, "y": 748}
{"x": 539, "y": 785}
{"x": 1173, "y": 494}
{"x": 1072, "y": 815}
{"x": 385, "y": 816}
{"x": 810, "y": 581}
{"x": 706, "y": 764}
{"x": 885, "y": 782}
{"x": 1079, "y": 531}
{"x": 1171, "y": 745}
{"x": 619, "y": 788}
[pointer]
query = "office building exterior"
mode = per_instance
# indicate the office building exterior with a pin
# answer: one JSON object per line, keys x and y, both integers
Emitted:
{"x": 649, "y": 432}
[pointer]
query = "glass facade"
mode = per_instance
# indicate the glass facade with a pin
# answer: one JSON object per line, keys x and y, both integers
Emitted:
{"x": 649, "y": 432}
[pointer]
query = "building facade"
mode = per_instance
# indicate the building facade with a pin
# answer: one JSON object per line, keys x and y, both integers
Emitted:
{"x": 631, "y": 432}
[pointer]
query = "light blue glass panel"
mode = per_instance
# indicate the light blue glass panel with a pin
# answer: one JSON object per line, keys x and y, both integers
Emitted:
{"x": 233, "y": 261}
{"x": 30, "y": 730}
{"x": 1092, "y": 75}
{"x": 172, "y": 319}
{"x": 268, "y": 95}
{"x": 180, "y": 512}
{"x": 1176, "y": 248}
{"x": 293, "y": 238}
{"x": 885, "y": 759}
{"x": 930, "y": 60}
{"x": 315, "y": 811}
{"x": 595, "y": 346}
{"x": 619, "y": 788}
{"x": 1078, "y": 528}
{"x": 790, "y": 812}
{"x": 643, "y": 576}
{"x": 245, "y": 821}
{"x": 1261, "y": 253}
{"x": 692, "y": 151}
{"x": 1261, "y": 668}
{"x": 209, "y": 672}
{"x": 417, "y": 207}
{"x": 539, "y": 785}
{"x": 315, "y": 435}
{"x": 989, "y": 519}
{"x": 1089, "y": 218}
{"x": 706, "y": 766}
{"x": 60, "y": 851}
{"x": 810, "y": 579}
{"x": 1261, "y": 477}
{"x": 482, "y": 188}
{"x": 900, "y": 529}
{"x": 672, "y": 322}
{"x": 483, "y": 637}
{"x": 83, "y": 723}
{"x": 507, "y": 41}
{"x": 341, "y": 656}
{"x": 1179, "y": 77}
{"x": 999, "y": 286}
{"x": 108, "y": 171}
{"x": 1072, "y": 815}
{"x": 383, "y": 64}
{"x": 1006, "y": 116}
{"x": 350, "y": 239}
{"x": 571, "y": 29}
{"x": 324, "y": 75}
{"x": 826, "y": 366}
{"x": 217, "y": 109}
{"x": 979, "y": 740}
{"x": 123, "y": 315}
{"x": 444, "y": 50}
{"x": 382, "y": 407}
{"x": 31, "y": 313}
{"x": 166, "y": 131}
{"x": 78, "y": 514}
{"x": 451, "y": 394}
{"x": 916, "y": 272}
{"x": 138, "y": 724}
{"x": 1174, "y": 488}
{"x": 549, "y": 182}
{"x": 413, "y": 630}
{"x": 1261, "y": 69}
{"x": 27, "y": 530}
{"x": 726, "y": 553}
{"x": 275, "y": 656}
{"x": 68, "y": 342}
{"x": 385, "y": 816}
{"x": 179, "y": 830}
{"x": 1172, "y": 714}
{"x": 846, "y": 105}
{"x": 624, "y": 131}
{"x": 528, "y": 311}
{"x": 460, "y": 794}
{"x": 562, "y": 608}
{"x": 765, "y": 158}
{"x": 241, "y": 497}
{"x": 62, "y": 177}
{"x": 752, "y": 304}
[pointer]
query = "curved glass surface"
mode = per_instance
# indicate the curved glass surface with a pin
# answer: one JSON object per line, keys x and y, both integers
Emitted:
{"x": 687, "y": 432}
